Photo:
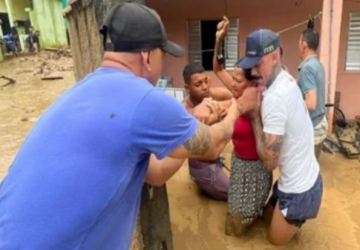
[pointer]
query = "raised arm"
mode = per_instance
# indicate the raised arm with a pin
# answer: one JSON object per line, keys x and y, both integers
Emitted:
{"x": 218, "y": 59}
{"x": 236, "y": 82}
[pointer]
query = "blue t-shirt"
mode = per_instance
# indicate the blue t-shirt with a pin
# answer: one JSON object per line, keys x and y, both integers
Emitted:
{"x": 312, "y": 77}
{"x": 77, "y": 179}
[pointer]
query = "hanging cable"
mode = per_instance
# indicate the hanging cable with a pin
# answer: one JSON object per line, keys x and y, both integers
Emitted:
{"x": 318, "y": 15}
{"x": 299, "y": 24}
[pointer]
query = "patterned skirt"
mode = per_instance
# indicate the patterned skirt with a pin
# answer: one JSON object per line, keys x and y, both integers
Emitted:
{"x": 250, "y": 185}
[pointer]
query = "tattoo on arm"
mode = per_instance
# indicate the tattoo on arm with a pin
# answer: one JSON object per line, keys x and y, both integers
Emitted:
{"x": 200, "y": 143}
{"x": 268, "y": 146}
{"x": 272, "y": 144}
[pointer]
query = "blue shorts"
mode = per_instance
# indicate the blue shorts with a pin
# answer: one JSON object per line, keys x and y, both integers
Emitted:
{"x": 297, "y": 208}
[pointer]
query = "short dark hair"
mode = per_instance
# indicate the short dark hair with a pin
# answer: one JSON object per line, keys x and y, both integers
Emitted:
{"x": 190, "y": 69}
{"x": 311, "y": 37}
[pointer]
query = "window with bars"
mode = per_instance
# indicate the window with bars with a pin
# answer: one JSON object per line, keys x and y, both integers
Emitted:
{"x": 202, "y": 42}
{"x": 353, "y": 44}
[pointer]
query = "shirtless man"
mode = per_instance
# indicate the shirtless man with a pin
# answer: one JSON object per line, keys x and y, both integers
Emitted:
{"x": 209, "y": 105}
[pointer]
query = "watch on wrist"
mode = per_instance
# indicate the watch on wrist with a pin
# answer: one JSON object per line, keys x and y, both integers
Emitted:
{"x": 220, "y": 58}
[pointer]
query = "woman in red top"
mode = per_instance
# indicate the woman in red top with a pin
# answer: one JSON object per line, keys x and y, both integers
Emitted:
{"x": 250, "y": 183}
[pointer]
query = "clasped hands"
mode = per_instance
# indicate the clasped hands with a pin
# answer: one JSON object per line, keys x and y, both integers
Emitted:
{"x": 210, "y": 111}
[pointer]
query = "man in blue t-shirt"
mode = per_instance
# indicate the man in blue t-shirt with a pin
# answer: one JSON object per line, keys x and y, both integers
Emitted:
{"x": 312, "y": 84}
{"x": 76, "y": 181}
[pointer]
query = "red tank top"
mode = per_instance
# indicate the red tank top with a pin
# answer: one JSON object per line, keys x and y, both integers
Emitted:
{"x": 243, "y": 140}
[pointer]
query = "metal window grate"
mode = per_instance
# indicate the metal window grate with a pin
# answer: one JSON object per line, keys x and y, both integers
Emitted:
{"x": 231, "y": 43}
{"x": 353, "y": 45}
{"x": 195, "y": 41}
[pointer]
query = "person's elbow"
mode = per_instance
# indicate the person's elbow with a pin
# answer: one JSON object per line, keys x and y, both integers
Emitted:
{"x": 311, "y": 106}
{"x": 311, "y": 101}
{"x": 155, "y": 181}
{"x": 215, "y": 152}
{"x": 211, "y": 154}
{"x": 269, "y": 166}
{"x": 154, "y": 176}
{"x": 269, "y": 163}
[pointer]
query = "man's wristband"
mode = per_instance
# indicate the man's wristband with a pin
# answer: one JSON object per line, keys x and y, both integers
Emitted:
{"x": 220, "y": 59}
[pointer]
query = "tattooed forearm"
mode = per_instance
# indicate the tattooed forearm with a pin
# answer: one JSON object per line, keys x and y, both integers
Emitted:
{"x": 257, "y": 128}
{"x": 200, "y": 143}
{"x": 272, "y": 145}
{"x": 268, "y": 146}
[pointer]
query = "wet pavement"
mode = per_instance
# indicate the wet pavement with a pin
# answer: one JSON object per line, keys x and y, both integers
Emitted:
{"x": 197, "y": 221}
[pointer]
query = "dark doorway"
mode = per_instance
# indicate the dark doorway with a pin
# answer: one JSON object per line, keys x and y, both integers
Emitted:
{"x": 5, "y": 24}
{"x": 208, "y": 30}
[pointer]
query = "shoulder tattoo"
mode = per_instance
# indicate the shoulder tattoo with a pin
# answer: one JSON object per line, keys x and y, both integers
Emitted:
{"x": 200, "y": 142}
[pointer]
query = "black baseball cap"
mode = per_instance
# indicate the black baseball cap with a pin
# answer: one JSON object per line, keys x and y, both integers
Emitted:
{"x": 258, "y": 44}
{"x": 133, "y": 27}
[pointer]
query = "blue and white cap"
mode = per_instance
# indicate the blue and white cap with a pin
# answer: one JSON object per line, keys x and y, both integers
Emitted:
{"x": 258, "y": 44}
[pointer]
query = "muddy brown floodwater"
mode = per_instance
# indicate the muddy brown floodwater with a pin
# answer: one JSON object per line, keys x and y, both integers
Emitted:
{"x": 198, "y": 223}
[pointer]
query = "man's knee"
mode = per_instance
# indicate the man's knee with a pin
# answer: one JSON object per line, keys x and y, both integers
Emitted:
{"x": 280, "y": 231}
{"x": 281, "y": 237}
{"x": 277, "y": 242}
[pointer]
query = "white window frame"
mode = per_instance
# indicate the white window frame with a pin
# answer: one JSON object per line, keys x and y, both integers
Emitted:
{"x": 352, "y": 61}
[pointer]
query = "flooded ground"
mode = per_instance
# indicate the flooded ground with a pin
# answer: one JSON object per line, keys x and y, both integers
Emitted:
{"x": 198, "y": 223}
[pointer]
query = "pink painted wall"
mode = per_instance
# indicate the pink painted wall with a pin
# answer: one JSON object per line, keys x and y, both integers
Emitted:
{"x": 348, "y": 83}
{"x": 272, "y": 14}
{"x": 329, "y": 48}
